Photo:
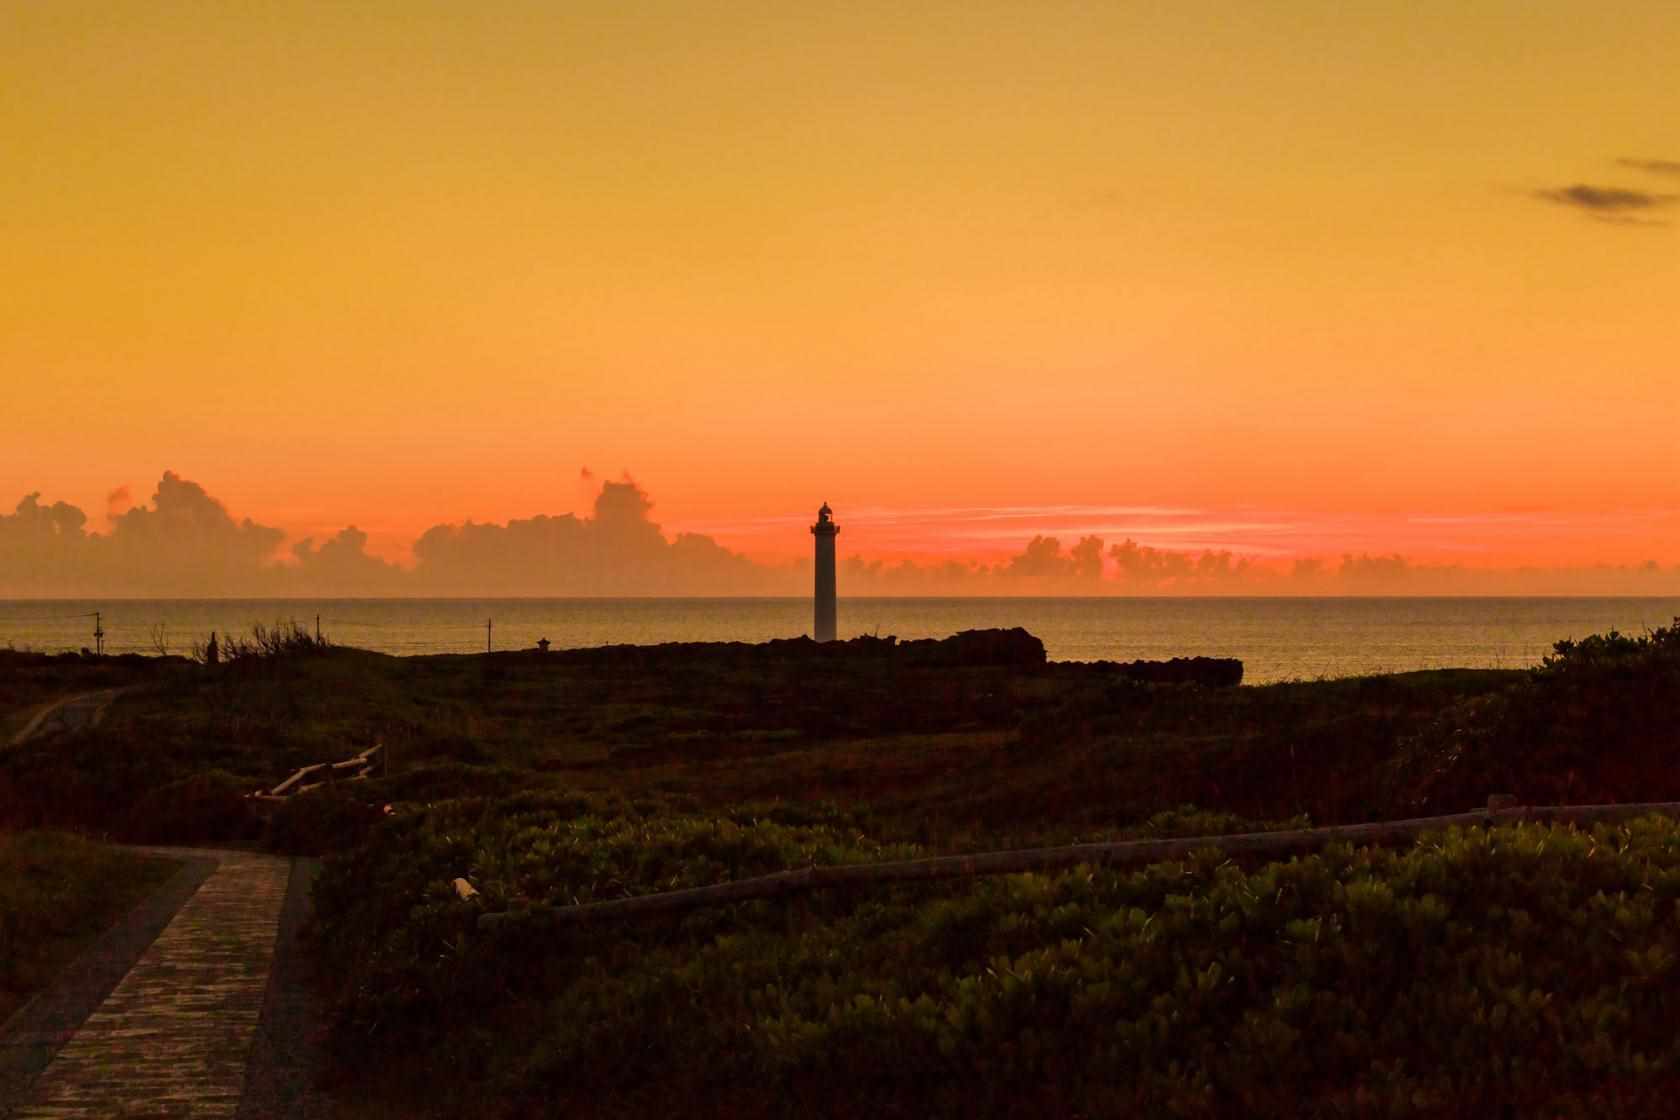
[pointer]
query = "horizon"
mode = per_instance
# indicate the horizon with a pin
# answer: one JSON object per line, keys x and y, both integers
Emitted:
{"x": 1025, "y": 597}
{"x": 185, "y": 543}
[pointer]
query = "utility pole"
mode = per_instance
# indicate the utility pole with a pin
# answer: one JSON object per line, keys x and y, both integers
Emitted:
{"x": 317, "y": 629}
{"x": 98, "y": 635}
{"x": 489, "y": 626}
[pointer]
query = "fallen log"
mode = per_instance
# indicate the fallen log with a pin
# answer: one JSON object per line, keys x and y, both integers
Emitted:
{"x": 359, "y": 767}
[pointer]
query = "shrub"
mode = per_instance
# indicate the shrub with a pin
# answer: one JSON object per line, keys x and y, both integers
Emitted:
{"x": 1593, "y": 722}
{"x": 1480, "y": 968}
{"x": 207, "y": 808}
{"x": 56, "y": 892}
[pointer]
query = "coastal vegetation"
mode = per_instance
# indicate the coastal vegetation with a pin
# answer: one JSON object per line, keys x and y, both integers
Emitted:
{"x": 57, "y": 893}
{"x": 1481, "y": 968}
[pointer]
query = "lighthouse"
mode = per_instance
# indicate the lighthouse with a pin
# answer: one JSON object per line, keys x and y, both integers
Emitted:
{"x": 825, "y": 530}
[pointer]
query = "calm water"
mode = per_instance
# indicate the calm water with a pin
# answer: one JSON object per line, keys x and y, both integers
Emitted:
{"x": 1276, "y": 638}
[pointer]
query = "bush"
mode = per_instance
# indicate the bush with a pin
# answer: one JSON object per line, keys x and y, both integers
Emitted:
{"x": 1481, "y": 968}
{"x": 1592, "y": 723}
{"x": 56, "y": 892}
{"x": 265, "y": 643}
{"x": 207, "y": 808}
{"x": 329, "y": 819}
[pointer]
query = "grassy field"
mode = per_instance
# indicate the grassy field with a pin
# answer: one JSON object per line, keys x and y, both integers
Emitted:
{"x": 1507, "y": 969}
{"x": 939, "y": 755}
{"x": 58, "y": 893}
{"x": 31, "y": 682}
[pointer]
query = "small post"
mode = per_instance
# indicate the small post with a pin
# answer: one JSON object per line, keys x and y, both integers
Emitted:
{"x": 317, "y": 628}
{"x": 98, "y": 635}
{"x": 489, "y": 644}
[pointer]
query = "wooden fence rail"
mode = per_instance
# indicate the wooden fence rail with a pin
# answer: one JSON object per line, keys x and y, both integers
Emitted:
{"x": 354, "y": 769}
{"x": 1123, "y": 853}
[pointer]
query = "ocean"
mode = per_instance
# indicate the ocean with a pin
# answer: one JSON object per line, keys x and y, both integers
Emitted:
{"x": 1277, "y": 639}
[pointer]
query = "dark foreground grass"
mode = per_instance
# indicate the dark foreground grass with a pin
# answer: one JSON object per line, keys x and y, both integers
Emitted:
{"x": 57, "y": 894}
{"x": 1501, "y": 970}
{"x": 1514, "y": 972}
{"x": 30, "y": 681}
{"x": 938, "y": 755}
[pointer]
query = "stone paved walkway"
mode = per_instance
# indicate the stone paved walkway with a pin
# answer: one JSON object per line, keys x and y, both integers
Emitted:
{"x": 174, "y": 1037}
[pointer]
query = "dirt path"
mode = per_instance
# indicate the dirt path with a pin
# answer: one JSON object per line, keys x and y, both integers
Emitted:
{"x": 71, "y": 714}
{"x": 211, "y": 1018}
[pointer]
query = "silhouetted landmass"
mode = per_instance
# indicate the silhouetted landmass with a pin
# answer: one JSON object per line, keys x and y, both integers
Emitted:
{"x": 968, "y": 649}
{"x": 1204, "y": 986}
{"x": 1214, "y": 672}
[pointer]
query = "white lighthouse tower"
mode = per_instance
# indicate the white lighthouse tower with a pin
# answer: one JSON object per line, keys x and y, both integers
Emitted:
{"x": 825, "y": 530}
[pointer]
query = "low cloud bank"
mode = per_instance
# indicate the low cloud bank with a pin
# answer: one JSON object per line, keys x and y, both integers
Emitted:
{"x": 184, "y": 543}
{"x": 1089, "y": 567}
{"x": 618, "y": 551}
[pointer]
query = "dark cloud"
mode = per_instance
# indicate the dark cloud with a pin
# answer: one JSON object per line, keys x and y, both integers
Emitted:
{"x": 42, "y": 547}
{"x": 620, "y": 550}
{"x": 1374, "y": 572}
{"x": 1044, "y": 566}
{"x": 1621, "y": 205}
{"x": 1043, "y": 561}
{"x": 1153, "y": 569}
{"x": 1654, "y": 166}
{"x": 185, "y": 543}
{"x": 341, "y": 565}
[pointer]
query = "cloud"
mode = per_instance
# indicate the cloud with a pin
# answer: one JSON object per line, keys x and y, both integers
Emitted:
{"x": 1148, "y": 570}
{"x": 1044, "y": 561}
{"x": 1374, "y": 572}
{"x": 41, "y": 547}
{"x": 1654, "y": 166}
{"x": 342, "y": 566}
{"x": 1621, "y": 205}
{"x": 185, "y": 543}
{"x": 619, "y": 550}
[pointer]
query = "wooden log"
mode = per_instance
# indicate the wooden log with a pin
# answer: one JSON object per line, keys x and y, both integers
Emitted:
{"x": 297, "y": 776}
{"x": 362, "y": 764}
{"x": 1122, "y": 853}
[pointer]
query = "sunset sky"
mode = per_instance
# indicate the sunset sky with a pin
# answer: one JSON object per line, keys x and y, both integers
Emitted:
{"x": 1286, "y": 279}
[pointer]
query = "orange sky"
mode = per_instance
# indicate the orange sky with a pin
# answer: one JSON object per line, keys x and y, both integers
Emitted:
{"x": 1312, "y": 275}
